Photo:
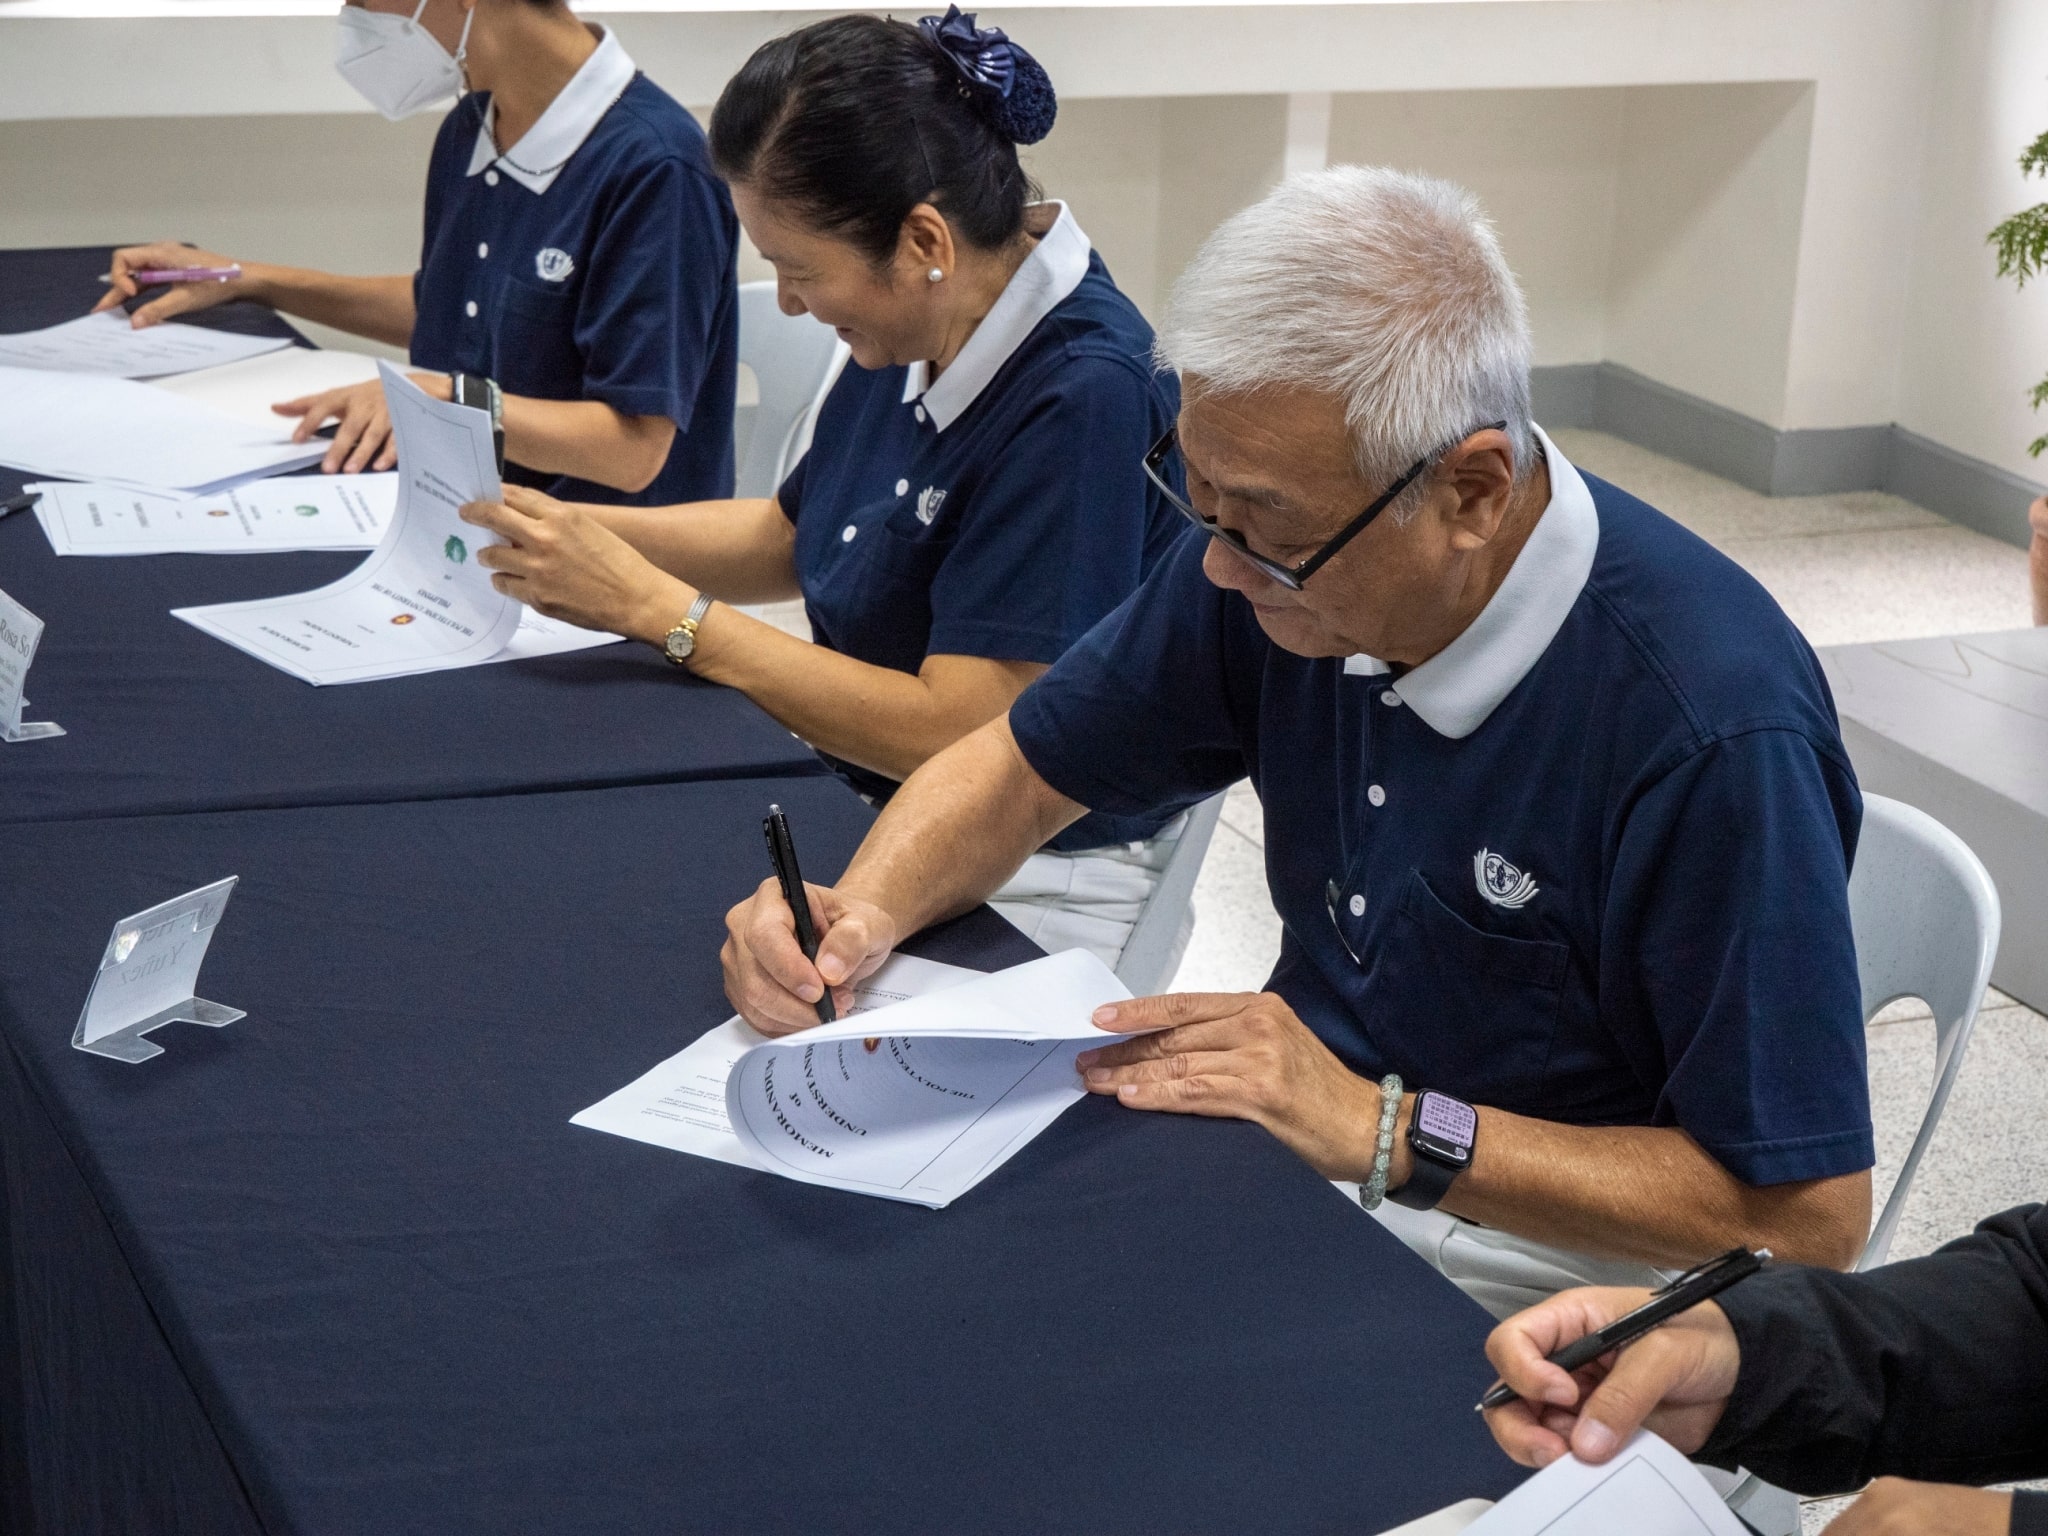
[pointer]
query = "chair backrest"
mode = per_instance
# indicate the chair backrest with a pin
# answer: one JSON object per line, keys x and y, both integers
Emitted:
{"x": 791, "y": 357}
{"x": 1154, "y": 945}
{"x": 1926, "y": 919}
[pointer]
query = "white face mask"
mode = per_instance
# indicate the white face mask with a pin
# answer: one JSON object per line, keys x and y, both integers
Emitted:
{"x": 395, "y": 62}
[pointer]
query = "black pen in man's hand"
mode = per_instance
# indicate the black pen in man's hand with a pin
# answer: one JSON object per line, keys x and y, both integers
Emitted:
{"x": 1702, "y": 1283}
{"x": 782, "y": 854}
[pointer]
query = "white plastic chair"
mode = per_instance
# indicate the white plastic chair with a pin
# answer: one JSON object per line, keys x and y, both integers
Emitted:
{"x": 792, "y": 357}
{"x": 1153, "y": 950}
{"x": 1926, "y": 919}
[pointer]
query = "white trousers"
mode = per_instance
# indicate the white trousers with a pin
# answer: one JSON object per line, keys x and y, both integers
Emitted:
{"x": 1092, "y": 899}
{"x": 1502, "y": 1272}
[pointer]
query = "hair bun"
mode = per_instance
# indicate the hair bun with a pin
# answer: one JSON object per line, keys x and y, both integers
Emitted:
{"x": 1010, "y": 87}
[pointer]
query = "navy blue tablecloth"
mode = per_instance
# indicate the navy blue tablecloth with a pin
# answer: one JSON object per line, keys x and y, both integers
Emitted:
{"x": 160, "y": 717}
{"x": 345, "y": 1266}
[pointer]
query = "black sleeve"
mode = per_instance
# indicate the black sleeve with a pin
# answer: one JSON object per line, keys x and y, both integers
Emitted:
{"x": 2029, "y": 1514}
{"x": 1933, "y": 1368}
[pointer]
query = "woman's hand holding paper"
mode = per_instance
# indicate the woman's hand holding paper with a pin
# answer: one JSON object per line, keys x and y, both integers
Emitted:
{"x": 1240, "y": 1056}
{"x": 768, "y": 980}
{"x": 362, "y": 418}
{"x": 561, "y": 561}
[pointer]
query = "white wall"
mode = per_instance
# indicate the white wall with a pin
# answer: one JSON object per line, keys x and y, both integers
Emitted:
{"x": 1709, "y": 199}
{"x": 1776, "y": 204}
{"x": 1974, "y": 344}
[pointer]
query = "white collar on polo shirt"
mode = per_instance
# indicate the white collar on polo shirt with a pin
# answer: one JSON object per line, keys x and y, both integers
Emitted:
{"x": 1457, "y": 688}
{"x": 1053, "y": 270}
{"x": 559, "y": 131}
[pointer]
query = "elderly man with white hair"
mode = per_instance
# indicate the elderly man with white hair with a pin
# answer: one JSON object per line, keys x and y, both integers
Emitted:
{"x": 1558, "y": 818}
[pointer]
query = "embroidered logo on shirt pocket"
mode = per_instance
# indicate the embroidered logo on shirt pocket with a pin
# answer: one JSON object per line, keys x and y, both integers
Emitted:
{"x": 554, "y": 265}
{"x": 928, "y": 502}
{"x": 1500, "y": 882}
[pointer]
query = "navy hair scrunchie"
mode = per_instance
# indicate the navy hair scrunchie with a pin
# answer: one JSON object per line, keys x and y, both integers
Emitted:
{"x": 1011, "y": 87}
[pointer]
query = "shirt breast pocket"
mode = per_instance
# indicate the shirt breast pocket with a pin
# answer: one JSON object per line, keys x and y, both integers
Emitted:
{"x": 534, "y": 348}
{"x": 1470, "y": 1013}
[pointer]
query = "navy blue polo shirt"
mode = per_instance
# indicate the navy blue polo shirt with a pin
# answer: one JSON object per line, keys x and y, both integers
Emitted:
{"x": 1590, "y": 863}
{"x": 607, "y": 276}
{"x": 1001, "y": 511}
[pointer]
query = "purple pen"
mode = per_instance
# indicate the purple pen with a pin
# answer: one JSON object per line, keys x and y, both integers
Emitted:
{"x": 151, "y": 275}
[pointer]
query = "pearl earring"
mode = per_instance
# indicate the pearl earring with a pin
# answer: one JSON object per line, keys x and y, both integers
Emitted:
{"x": 936, "y": 275}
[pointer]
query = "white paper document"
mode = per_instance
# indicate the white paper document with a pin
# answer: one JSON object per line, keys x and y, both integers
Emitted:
{"x": 285, "y": 512}
{"x": 934, "y": 1082}
{"x": 420, "y": 602}
{"x": 106, "y": 343}
{"x": 247, "y": 390}
{"x": 1648, "y": 1489}
{"x": 77, "y": 426}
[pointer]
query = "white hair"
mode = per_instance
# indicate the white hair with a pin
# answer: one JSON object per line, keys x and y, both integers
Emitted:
{"x": 1382, "y": 288}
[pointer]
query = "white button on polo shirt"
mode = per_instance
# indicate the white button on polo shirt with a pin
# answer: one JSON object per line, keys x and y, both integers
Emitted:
{"x": 469, "y": 309}
{"x": 847, "y": 533}
{"x": 483, "y": 250}
{"x": 902, "y": 487}
{"x": 1358, "y": 906}
{"x": 490, "y": 178}
{"x": 1376, "y": 795}
{"x": 1390, "y": 698}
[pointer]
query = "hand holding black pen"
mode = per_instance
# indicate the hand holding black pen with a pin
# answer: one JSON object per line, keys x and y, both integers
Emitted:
{"x": 782, "y": 854}
{"x": 1701, "y": 1283}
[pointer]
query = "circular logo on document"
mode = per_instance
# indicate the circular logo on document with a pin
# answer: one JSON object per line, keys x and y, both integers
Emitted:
{"x": 455, "y": 549}
{"x": 401, "y": 618}
{"x": 217, "y": 512}
{"x": 305, "y": 511}
{"x": 553, "y": 265}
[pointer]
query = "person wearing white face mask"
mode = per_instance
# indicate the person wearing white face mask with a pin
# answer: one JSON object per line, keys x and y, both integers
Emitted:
{"x": 577, "y": 275}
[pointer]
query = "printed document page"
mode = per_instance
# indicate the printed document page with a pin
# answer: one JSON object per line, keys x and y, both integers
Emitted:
{"x": 106, "y": 343}
{"x": 247, "y": 390}
{"x": 285, "y": 512}
{"x": 681, "y": 1103}
{"x": 420, "y": 602}
{"x": 1648, "y": 1489}
{"x": 917, "y": 1100}
{"x": 78, "y": 426}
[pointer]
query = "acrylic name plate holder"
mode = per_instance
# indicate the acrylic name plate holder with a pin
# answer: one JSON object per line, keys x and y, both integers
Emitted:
{"x": 20, "y": 631}
{"x": 149, "y": 976}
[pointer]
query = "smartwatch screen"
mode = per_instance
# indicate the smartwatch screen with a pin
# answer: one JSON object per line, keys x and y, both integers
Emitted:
{"x": 1445, "y": 1127}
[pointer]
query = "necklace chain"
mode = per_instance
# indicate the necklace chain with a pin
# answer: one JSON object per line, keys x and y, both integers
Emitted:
{"x": 504, "y": 156}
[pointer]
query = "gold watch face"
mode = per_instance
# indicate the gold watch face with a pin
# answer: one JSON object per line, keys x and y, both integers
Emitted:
{"x": 680, "y": 643}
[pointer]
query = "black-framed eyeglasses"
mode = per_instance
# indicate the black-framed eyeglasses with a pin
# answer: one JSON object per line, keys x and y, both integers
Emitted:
{"x": 1289, "y": 576}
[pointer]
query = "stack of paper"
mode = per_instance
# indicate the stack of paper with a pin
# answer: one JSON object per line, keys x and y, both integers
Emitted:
{"x": 108, "y": 344}
{"x": 77, "y": 426}
{"x": 285, "y": 513}
{"x": 247, "y": 390}
{"x": 420, "y": 603}
{"x": 937, "y": 1078}
{"x": 1647, "y": 1489}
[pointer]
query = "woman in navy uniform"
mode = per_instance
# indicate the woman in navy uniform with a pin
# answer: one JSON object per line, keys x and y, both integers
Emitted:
{"x": 973, "y": 497}
{"x": 577, "y": 274}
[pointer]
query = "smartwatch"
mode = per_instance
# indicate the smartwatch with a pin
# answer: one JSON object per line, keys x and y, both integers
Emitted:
{"x": 1440, "y": 1136}
{"x": 482, "y": 394}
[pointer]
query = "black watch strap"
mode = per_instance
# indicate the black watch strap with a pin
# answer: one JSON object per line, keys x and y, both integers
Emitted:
{"x": 476, "y": 391}
{"x": 1428, "y": 1182}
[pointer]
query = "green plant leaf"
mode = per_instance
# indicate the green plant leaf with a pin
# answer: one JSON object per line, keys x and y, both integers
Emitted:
{"x": 2022, "y": 243}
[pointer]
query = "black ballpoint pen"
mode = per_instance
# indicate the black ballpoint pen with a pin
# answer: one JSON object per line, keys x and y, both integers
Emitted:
{"x": 1701, "y": 1283}
{"x": 782, "y": 854}
{"x": 20, "y": 503}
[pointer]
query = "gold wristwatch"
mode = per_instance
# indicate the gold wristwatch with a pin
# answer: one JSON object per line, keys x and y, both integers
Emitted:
{"x": 682, "y": 640}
